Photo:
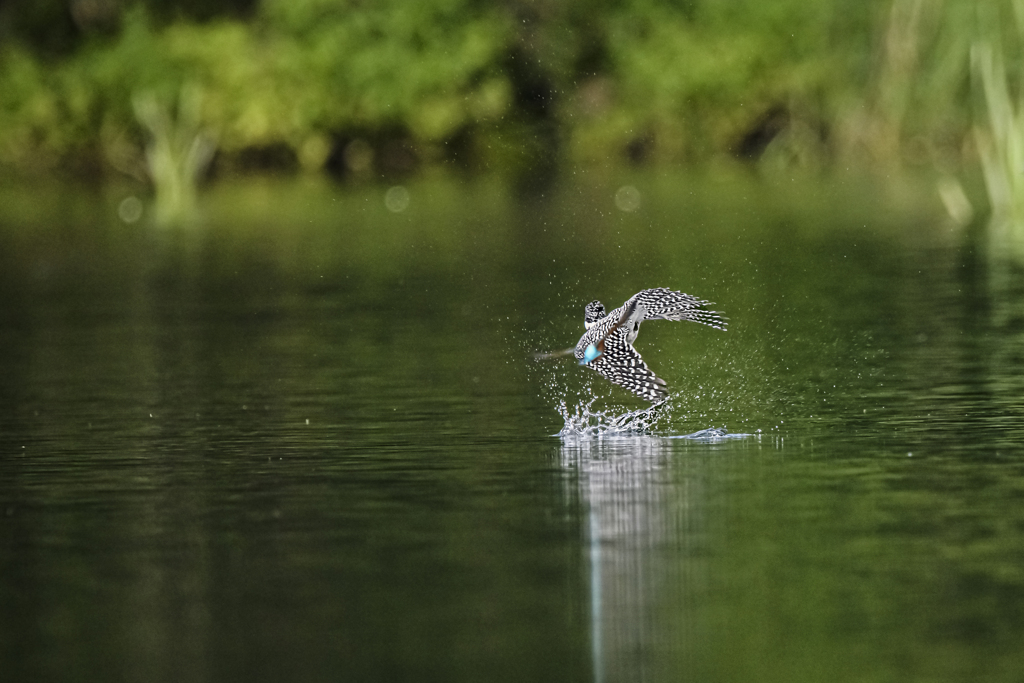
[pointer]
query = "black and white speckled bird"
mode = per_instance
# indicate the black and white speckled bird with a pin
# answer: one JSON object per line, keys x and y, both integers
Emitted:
{"x": 607, "y": 345}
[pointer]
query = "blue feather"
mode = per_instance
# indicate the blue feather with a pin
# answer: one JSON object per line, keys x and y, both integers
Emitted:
{"x": 590, "y": 354}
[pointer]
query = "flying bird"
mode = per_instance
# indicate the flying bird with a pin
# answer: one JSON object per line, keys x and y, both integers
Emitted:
{"x": 607, "y": 345}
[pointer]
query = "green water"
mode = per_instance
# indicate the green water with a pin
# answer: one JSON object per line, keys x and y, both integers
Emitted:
{"x": 306, "y": 441}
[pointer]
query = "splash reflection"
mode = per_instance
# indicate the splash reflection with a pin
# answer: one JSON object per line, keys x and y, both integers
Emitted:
{"x": 646, "y": 527}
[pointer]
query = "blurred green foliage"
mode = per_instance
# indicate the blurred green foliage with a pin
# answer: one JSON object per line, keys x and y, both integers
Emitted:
{"x": 391, "y": 85}
{"x": 999, "y": 135}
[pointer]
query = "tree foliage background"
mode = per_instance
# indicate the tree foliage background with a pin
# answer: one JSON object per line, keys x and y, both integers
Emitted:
{"x": 393, "y": 86}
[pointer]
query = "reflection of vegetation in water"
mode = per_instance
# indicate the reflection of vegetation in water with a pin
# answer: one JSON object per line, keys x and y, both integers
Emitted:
{"x": 508, "y": 277}
{"x": 177, "y": 154}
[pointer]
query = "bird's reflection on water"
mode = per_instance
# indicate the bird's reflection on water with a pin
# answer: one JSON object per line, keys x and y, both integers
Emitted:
{"x": 646, "y": 526}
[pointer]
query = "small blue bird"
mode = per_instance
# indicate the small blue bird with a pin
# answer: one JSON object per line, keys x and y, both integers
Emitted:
{"x": 607, "y": 345}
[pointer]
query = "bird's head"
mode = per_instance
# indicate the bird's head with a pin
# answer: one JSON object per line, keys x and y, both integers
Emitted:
{"x": 592, "y": 313}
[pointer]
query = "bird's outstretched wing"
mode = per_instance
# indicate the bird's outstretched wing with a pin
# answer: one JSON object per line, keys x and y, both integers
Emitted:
{"x": 662, "y": 303}
{"x": 607, "y": 345}
{"x": 620, "y": 363}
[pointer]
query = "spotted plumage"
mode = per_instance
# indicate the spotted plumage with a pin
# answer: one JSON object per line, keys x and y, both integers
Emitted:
{"x": 607, "y": 345}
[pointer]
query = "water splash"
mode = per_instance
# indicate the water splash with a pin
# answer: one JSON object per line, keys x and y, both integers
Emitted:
{"x": 582, "y": 421}
{"x": 715, "y": 435}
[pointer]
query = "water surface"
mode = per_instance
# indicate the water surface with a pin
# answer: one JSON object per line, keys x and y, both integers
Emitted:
{"x": 306, "y": 440}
